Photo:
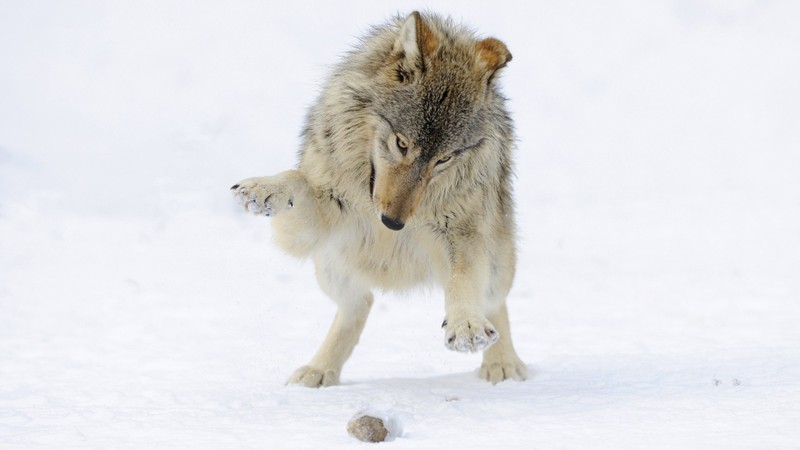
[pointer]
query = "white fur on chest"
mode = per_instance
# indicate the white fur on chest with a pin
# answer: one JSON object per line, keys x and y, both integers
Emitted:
{"x": 378, "y": 257}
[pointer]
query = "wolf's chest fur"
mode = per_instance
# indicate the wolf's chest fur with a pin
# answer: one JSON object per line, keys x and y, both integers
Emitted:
{"x": 392, "y": 260}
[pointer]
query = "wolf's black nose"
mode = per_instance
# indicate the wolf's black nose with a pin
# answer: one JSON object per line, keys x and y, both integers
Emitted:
{"x": 392, "y": 224}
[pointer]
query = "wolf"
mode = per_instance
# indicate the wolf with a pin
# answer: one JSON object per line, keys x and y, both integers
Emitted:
{"x": 404, "y": 178}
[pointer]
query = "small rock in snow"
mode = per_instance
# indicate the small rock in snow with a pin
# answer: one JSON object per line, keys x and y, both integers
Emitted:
{"x": 374, "y": 426}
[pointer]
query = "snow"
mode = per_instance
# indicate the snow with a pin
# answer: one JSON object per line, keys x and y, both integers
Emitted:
{"x": 658, "y": 289}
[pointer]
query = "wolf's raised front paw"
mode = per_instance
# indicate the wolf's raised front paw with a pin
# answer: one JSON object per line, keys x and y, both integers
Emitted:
{"x": 265, "y": 196}
{"x": 469, "y": 335}
{"x": 313, "y": 377}
{"x": 496, "y": 372}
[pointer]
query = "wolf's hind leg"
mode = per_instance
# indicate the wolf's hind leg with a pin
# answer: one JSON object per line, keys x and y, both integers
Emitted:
{"x": 500, "y": 361}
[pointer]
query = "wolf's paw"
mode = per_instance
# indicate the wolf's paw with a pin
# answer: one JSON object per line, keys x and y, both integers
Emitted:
{"x": 313, "y": 377}
{"x": 495, "y": 372}
{"x": 469, "y": 335}
{"x": 265, "y": 196}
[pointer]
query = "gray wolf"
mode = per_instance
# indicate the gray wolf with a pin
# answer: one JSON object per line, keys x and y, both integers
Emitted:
{"x": 405, "y": 179}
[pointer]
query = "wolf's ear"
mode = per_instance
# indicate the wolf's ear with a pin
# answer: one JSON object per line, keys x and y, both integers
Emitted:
{"x": 494, "y": 55}
{"x": 415, "y": 41}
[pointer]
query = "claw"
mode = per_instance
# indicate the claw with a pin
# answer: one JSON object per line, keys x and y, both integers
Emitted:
{"x": 267, "y": 206}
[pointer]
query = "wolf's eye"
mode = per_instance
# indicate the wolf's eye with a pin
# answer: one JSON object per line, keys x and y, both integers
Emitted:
{"x": 444, "y": 160}
{"x": 402, "y": 144}
{"x": 402, "y": 76}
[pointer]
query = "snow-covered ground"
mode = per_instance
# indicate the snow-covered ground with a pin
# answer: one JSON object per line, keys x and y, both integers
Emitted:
{"x": 658, "y": 190}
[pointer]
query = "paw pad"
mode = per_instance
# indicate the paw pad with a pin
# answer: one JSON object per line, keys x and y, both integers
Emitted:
{"x": 265, "y": 196}
{"x": 467, "y": 336}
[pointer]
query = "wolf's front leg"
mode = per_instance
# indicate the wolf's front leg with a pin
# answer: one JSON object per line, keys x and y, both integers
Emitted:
{"x": 325, "y": 367}
{"x": 270, "y": 196}
{"x": 466, "y": 327}
{"x": 288, "y": 198}
{"x": 500, "y": 361}
{"x": 354, "y": 303}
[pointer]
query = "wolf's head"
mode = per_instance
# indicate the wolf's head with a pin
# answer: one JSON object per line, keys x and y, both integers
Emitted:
{"x": 435, "y": 105}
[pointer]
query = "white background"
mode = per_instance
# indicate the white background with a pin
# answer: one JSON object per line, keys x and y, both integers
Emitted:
{"x": 658, "y": 191}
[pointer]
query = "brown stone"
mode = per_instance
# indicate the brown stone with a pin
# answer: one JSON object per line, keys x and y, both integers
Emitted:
{"x": 367, "y": 429}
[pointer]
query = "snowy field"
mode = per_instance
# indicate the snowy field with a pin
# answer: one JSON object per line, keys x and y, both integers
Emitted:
{"x": 657, "y": 301}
